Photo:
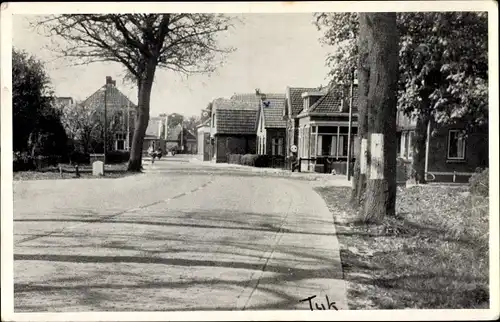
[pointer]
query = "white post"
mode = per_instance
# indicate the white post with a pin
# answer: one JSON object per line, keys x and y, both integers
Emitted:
{"x": 377, "y": 156}
{"x": 362, "y": 161}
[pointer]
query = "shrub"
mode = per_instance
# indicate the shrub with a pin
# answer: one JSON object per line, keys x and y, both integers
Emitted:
{"x": 256, "y": 160}
{"x": 79, "y": 157}
{"x": 249, "y": 159}
{"x": 22, "y": 162}
{"x": 234, "y": 158}
{"x": 114, "y": 157}
{"x": 479, "y": 183}
{"x": 262, "y": 161}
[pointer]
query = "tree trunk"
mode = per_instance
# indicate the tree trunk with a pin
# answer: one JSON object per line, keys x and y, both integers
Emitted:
{"x": 141, "y": 121}
{"x": 381, "y": 33}
{"x": 420, "y": 140}
{"x": 359, "y": 179}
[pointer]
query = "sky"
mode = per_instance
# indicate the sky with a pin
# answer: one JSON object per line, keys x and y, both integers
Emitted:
{"x": 273, "y": 51}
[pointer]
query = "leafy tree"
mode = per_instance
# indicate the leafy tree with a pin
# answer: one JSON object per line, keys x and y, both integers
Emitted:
{"x": 80, "y": 124}
{"x": 191, "y": 123}
{"x": 443, "y": 68}
{"x": 36, "y": 124}
{"x": 181, "y": 42}
{"x": 175, "y": 119}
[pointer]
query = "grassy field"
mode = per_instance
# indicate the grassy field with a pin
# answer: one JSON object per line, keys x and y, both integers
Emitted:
{"x": 52, "y": 173}
{"x": 434, "y": 255}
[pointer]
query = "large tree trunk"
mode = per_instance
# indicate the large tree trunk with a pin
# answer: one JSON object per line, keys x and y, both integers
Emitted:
{"x": 380, "y": 195}
{"x": 359, "y": 179}
{"x": 420, "y": 140}
{"x": 141, "y": 121}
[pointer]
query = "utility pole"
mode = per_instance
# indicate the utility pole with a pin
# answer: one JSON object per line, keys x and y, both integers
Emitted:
{"x": 128, "y": 125}
{"x": 349, "y": 147}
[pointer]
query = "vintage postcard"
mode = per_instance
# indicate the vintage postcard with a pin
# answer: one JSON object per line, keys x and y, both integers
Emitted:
{"x": 249, "y": 161}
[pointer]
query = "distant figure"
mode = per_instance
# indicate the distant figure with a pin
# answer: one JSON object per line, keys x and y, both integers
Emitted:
{"x": 152, "y": 154}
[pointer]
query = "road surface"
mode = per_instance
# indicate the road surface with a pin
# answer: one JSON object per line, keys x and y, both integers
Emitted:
{"x": 180, "y": 237}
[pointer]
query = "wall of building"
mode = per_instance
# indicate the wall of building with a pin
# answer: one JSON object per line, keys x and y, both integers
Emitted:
{"x": 234, "y": 144}
{"x": 476, "y": 152}
{"x": 275, "y": 133}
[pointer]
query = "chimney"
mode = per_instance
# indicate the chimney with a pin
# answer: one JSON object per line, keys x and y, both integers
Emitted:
{"x": 109, "y": 80}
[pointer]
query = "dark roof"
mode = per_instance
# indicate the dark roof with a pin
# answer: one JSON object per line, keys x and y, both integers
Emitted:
{"x": 233, "y": 104}
{"x": 188, "y": 135}
{"x": 332, "y": 102}
{"x": 273, "y": 117}
{"x": 294, "y": 98}
{"x": 236, "y": 121}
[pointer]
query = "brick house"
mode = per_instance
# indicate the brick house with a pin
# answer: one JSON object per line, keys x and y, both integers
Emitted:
{"x": 271, "y": 128}
{"x": 323, "y": 124}
{"x": 450, "y": 155}
{"x": 293, "y": 105}
{"x": 120, "y": 113}
{"x": 233, "y": 128}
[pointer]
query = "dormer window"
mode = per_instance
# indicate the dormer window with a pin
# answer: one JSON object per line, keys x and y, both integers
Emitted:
{"x": 310, "y": 98}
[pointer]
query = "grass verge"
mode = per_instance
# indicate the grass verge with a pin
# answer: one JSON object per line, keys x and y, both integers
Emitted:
{"x": 112, "y": 171}
{"x": 434, "y": 255}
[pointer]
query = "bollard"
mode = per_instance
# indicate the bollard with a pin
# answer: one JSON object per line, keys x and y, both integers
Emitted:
{"x": 77, "y": 173}
{"x": 60, "y": 170}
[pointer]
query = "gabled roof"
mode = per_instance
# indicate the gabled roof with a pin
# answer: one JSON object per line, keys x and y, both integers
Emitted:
{"x": 294, "y": 100}
{"x": 273, "y": 117}
{"x": 331, "y": 102}
{"x": 233, "y": 104}
{"x": 153, "y": 128}
{"x": 114, "y": 99}
{"x": 237, "y": 115}
{"x": 188, "y": 135}
{"x": 236, "y": 121}
{"x": 204, "y": 123}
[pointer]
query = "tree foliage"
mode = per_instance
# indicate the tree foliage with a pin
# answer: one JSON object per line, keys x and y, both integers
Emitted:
{"x": 36, "y": 123}
{"x": 443, "y": 56}
{"x": 181, "y": 42}
{"x": 191, "y": 123}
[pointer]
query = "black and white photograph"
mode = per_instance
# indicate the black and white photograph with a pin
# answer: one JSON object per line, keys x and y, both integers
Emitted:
{"x": 249, "y": 161}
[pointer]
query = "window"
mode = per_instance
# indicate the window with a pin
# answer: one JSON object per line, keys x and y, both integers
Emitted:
{"x": 456, "y": 145}
{"x": 398, "y": 144}
{"x": 411, "y": 134}
{"x": 280, "y": 146}
{"x": 120, "y": 141}
{"x": 327, "y": 145}
{"x": 277, "y": 146}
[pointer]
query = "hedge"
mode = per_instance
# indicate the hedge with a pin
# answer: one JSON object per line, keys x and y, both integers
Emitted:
{"x": 253, "y": 160}
{"x": 114, "y": 157}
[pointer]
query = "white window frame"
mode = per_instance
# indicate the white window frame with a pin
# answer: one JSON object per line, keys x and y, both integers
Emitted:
{"x": 464, "y": 143}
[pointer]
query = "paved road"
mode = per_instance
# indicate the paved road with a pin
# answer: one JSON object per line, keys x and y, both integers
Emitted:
{"x": 180, "y": 237}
